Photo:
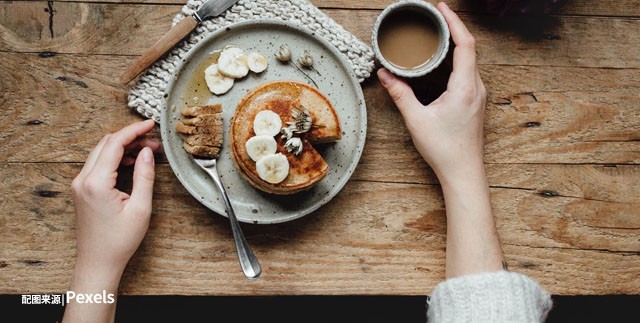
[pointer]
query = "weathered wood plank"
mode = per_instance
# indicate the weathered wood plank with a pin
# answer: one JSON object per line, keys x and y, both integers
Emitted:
{"x": 82, "y": 28}
{"x": 69, "y": 97}
{"x": 61, "y": 107}
{"x": 129, "y": 29}
{"x": 374, "y": 238}
{"x": 569, "y": 226}
{"x": 573, "y": 7}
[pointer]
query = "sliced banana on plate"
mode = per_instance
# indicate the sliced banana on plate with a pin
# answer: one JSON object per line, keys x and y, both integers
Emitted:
{"x": 218, "y": 84}
{"x": 273, "y": 168}
{"x": 260, "y": 146}
{"x": 267, "y": 123}
{"x": 233, "y": 62}
{"x": 257, "y": 63}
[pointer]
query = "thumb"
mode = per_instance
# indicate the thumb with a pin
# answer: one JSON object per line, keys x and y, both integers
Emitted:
{"x": 143, "y": 178}
{"x": 399, "y": 90}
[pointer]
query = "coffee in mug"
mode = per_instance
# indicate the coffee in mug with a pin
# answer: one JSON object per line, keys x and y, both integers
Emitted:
{"x": 408, "y": 39}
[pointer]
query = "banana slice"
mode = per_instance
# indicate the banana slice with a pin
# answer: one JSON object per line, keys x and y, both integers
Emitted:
{"x": 273, "y": 168}
{"x": 257, "y": 62}
{"x": 267, "y": 123}
{"x": 218, "y": 84}
{"x": 233, "y": 63}
{"x": 260, "y": 146}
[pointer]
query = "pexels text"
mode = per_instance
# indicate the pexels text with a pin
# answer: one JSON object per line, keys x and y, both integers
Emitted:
{"x": 81, "y": 298}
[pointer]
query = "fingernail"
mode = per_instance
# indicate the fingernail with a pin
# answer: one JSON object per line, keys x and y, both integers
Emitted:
{"x": 147, "y": 155}
{"x": 384, "y": 76}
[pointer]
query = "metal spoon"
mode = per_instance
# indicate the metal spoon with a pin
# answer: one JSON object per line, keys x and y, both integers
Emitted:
{"x": 248, "y": 261}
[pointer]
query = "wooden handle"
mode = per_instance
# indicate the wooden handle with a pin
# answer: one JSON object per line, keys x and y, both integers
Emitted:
{"x": 183, "y": 28}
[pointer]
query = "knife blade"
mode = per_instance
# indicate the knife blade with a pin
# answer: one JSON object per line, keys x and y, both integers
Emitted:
{"x": 209, "y": 9}
{"x": 213, "y": 8}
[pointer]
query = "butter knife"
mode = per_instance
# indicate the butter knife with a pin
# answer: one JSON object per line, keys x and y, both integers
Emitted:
{"x": 209, "y": 9}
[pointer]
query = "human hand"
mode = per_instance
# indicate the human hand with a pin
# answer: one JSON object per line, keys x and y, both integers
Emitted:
{"x": 448, "y": 132}
{"x": 110, "y": 224}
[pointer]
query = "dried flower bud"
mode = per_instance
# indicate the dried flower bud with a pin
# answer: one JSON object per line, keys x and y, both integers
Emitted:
{"x": 287, "y": 133}
{"x": 302, "y": 120}
{"x": 294, "y": 145}
{"x": 306, "y": 59}
{"x": 284, "y": 53}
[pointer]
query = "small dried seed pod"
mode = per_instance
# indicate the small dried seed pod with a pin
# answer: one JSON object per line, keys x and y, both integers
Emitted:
{"x": 294, "y": 145}
{"x": 284, "y": 53}
{"x": 287, "y": 133}
{"x": 303, "y": 121}
{"x": 306, "y": 59}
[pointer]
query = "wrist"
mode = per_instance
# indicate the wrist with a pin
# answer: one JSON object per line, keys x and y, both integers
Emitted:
{"x": 93, "y": 276}
{"x": 461, "y": 172}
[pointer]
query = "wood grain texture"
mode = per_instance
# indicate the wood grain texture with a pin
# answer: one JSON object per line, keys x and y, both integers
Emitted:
{"x": 131, "y": 29}
{"x": 535, "y": 115}
{"x": 562, "y": 132}
{"x": 574, "y": 7}
{"x": 391, "y": 240}
{"x": 162, "y": 46}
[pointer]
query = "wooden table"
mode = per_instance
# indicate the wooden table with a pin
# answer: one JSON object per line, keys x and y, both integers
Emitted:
{"x": 562, "y": 152}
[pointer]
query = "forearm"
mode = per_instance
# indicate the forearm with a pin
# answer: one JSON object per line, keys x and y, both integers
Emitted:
{"x": 94, "y": 280}
{"x": 472, "y": 241}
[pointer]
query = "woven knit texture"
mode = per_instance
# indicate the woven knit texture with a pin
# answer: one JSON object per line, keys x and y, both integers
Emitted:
{"x": 146, "y": 96}
{"x": 489, "y": 297}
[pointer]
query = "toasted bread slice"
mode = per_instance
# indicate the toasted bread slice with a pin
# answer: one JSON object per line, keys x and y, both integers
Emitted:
{"x": 306, "y": 169}
{"x": 194, "y": 111}
{"x": 202, "y": 151}
{"x": 201, "y": 130}
{"x": 205, "y": 120}
{"x": 214, "y": 140}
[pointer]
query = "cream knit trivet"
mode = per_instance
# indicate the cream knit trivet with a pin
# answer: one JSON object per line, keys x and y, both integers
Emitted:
{"x": 147, "y": 96}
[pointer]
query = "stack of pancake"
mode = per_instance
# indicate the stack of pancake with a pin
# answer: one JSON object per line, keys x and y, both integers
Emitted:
{"x": 305, "y": 169}
{"x": 201, "y": 130}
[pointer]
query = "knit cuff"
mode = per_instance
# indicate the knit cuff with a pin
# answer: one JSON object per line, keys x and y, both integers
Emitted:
{"x": 489, "y": 297}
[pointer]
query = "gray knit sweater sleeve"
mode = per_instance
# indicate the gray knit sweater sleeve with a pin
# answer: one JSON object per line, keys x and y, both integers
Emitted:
{"x": 489, "y": 297}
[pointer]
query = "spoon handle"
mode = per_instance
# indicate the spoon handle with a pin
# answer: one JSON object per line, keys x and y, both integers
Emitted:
{"x": 248, "y": 261}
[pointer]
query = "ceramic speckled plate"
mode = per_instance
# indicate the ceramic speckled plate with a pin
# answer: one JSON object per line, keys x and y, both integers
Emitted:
{"x": 334, "y": 78}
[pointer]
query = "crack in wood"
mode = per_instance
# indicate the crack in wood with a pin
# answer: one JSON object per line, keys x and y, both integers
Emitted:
{"x": 51, "y": 13}
{"x": 32, "y": 262}
{"x": 551, "y": 193}
{"x": 531, "y": 124}
{"x": 535, "y": 99}
{"x": 47, "y": 54}
{"x": 46, "y": 193}
{"x": 624, "y": 252}
{"x": 613, "y": 228}
{"x": 527, "y": 264}
{"x": 614, "y": 140}
{"x": 76, "y": 82}
{"x": 512, "y": 187}
{"x": 548, "y": 193}
{"x": 502, "y": 101}
{"x": 51, "y": 227}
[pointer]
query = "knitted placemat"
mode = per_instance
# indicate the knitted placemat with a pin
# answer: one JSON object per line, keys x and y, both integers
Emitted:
{"x": 147, "y": 96}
